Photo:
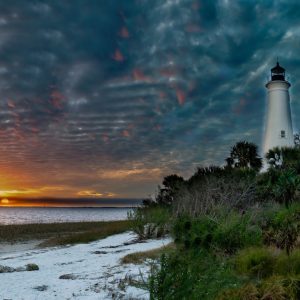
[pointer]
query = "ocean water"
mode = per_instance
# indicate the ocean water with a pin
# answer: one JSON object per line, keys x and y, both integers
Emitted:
{"x": 27, "y": 215}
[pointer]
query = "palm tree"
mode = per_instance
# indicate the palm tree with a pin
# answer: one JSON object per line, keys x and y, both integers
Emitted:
{"x": 244, "y": 155}
{"x": 286, "y": 186}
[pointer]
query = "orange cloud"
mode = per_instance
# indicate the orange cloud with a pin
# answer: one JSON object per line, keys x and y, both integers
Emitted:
{"x": 94, "y": 194}
{"x": 29, "y": 191}
{"x": 126, "y": 173}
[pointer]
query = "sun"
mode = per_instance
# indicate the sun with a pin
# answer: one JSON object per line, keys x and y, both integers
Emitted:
{"x": 4, "y": 201}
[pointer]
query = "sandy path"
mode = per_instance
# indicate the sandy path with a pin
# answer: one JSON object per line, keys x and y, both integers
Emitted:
{"x": 94, "y": 271}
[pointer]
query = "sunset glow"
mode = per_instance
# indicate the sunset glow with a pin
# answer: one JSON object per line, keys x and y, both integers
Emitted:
{"x": 106, "y": 106}
{"x": 4, "y": 201}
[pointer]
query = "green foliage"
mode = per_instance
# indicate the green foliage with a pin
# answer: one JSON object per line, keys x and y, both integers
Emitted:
{"x": 225, "y": 222}
{"x": 285, "y": 158}
{"x": 255, "y": 262}
{"x": 32, "y": 267}
{"x": 62, "y": 233}
{"x": 283, "y": 228}
{"x": 191, "y": 275}
{"x": 150, "y": 222}
{"x": 236, "y": 232}
{"x": 98, "y": 231}
{"x": 212, "y": 188}
{"x": 278, "y": 185}
{"x": 227, "y": 234}
{"x": 288, "y": 265}
{"x": 246, "y": 292}
{"x": 286, "y": 186}
{"x": 279, "y": 287}
{"x": 244, "y": 155}
{"x": 171, "y": 185}
{"x": 273, "y": 288}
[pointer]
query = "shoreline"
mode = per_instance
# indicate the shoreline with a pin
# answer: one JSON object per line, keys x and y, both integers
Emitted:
{"x": 53, "y": 234}
{"x": 94, "y": 270}
{"x": 19, "y": 246}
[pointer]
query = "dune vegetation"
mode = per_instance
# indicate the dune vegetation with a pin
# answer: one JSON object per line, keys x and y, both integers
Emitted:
{"x": 235, "y": 229}
{"x": 62, "y": 233}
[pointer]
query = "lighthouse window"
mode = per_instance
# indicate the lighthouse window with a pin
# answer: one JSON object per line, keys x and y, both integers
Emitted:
{"x": 282, "y": 133}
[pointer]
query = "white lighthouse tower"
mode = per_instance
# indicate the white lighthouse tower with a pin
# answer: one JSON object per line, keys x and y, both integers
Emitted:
{"x": 279, "y": 129}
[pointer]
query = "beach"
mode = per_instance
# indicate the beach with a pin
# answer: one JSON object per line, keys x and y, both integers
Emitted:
{"x": 79, "y": 260}
{"x": 83, "y": 271}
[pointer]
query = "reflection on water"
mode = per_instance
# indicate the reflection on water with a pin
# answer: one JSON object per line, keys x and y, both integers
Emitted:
{"x": 26, "y": 215}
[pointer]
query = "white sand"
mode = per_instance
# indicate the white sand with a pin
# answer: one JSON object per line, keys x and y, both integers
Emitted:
{"x": 96, "y": 275}
{"x": 9, "y": 248}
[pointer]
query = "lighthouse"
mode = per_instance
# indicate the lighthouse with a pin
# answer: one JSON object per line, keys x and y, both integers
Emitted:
{"x": 278, "y": 129}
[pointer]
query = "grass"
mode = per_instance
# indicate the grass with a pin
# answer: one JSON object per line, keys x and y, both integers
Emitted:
{"x": 140, "y": 257}
{"x": 62, "y": 233}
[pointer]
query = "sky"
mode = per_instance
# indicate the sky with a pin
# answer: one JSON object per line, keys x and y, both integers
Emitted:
{"x": 102, "y": 99}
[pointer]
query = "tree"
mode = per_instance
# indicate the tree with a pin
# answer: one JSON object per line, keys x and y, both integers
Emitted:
{"x": 244, "y": 155}
{"x": 286, "y": 186}
{"x": 171, "y": 184}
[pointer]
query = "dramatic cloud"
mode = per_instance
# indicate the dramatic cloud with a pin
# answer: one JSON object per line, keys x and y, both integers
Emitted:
{"x": 104, "y": 98}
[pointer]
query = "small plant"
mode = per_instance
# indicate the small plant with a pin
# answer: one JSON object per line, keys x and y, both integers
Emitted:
{"x": 283, "y": 229}
{"x": 32, "y": 267}
{"x": 150, "y": 222}
{"x": 6, "y": 269}
{"x": 228, "y": 233}
{"x": 278, "y": 287}
{"x": 255, "y": 262}
{"x": 288, "y": 265}
{"x": 246, "y": 292}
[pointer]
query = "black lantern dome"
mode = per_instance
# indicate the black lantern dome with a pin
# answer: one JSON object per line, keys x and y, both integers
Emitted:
{"x": 278, "y": 73}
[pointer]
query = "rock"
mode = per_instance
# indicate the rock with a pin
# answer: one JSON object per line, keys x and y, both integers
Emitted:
{"x": 68, "y": 276}
{"x": 32, "y": 267}
{"x": 6, "y": 269}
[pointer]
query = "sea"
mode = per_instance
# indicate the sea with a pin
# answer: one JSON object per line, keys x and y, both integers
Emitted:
{"x": 30, "y": 215}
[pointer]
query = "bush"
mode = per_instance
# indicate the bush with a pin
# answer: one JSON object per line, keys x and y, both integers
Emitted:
{"x": 246, "y": 292}
{"x": 236, "y": 232}
{"x": 211, "y": 188}
{"x": 278, "y": 287}
{"x": 282, "y": 229}
{"x": 227, "y": 234}
{"x": 32, "y": 267}
{"x": 150, "y": 222}
{"x": 191, "y": 275}
{"x": 273, "y": 288}
{"x": 255, "y": 262}
{"x": 288, "y": 265}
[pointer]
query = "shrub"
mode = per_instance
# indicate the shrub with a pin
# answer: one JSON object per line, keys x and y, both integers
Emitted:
{"x": 191, "y": 275}
{"x": 32, "y": 267}
{"x": 273, "y": 288}
{"x": 236, "y": 232}
{"x": 283, "y": 228}
{"x": 150, "y": 222}
{"x": 288, "y": 265}
{"x": 278, "y": 287}
{"x": 211, "y": 188}
{"x": 246, "y": 292}
{"x": 255, "y": 262}
{"x": 228, "y": 233}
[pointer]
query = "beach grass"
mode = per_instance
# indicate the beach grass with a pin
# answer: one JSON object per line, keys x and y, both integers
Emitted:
{"x": 139, "y": 257}
{"x": 55, "y": 234}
